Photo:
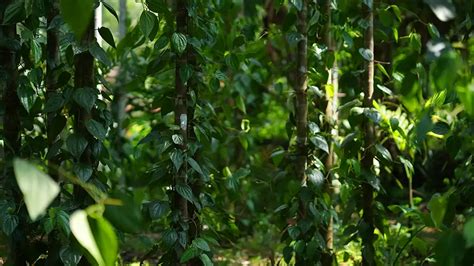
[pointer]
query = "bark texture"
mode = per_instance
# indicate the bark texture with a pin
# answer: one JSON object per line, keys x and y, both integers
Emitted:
{"x": 368, "y": 252}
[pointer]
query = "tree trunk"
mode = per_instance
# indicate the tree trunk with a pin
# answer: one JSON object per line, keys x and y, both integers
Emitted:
{"x": 11, "y": 130}
{"x": 301, "y": 107}
{"x": 84, "y": 77}
{"x": 180, "y": 111}
{"x": 331, "y": 118}
{"x": 368, "y": 252}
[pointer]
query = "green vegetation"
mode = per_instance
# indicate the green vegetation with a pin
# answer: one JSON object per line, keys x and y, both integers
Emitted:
{"x": 236, "y": 132}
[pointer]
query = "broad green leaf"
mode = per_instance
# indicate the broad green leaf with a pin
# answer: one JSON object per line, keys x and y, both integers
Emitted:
{"x": 9, "y": 223}
{"x": 195, "y": 166}
{"x": 85, "y": 97}
{"x": 158, "y": 209}
{"x": 315, "y": 176}
{"x": 106, "y": 240}
{"x": 54, "y": 103}
{"x": 185, "y": 191}
{"x": 96, "y": 235}
{"x": 201, "y": 244}
{"x": 148, "y": 21}
{"x": 38, "y": 189}
{"x": 78, "y": 15}
{"x": 83, "y": 171}
{"x": 15, "y": 12}
{"x": 384, "y": 152}
{"x": 294, "y": 232}
{"x": 320, "y": 142}
{"x": 98, "y": 53}
{"x": 433, "y": 31}
{"x": 437, "y": 206}
{"x": 76, "y": 144}
{"x": 468, "y": 232}
{"x": 366, "y": 54}
{"x": 177, "y": 159}
{"x": 169, "y": 237}
{"x": 106, "y": 34}
{"x": 177, "y": 139}
{"x": 26, "y": 93}
{"x": 179, "y": 42}
{"x": 96, "y": 129}
{"x": 81, "y": 230}
{"x": 206, "y": 261}
{"x": 130, "y": 223}
{"x": 384, "y": 89}
{"x": 189, "y": 253}
{"x": 441, "y": 128}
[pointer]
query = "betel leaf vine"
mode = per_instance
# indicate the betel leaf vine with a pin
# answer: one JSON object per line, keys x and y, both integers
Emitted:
{"x": 263, "y": 132}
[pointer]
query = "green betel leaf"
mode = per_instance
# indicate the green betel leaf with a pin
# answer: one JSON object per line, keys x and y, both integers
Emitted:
{"x": 85, "y": 97}
{"x": 468, "y": 232}
{"x": 96, "y": 129}
{"x": 54, "y": 103}
{"x": 169, "y": 237}
{"x": 106, "y": 240}
{"x": 77, "y": 14}
{"x": 366, "y": 54}
{"x": 383, "y": 152}
{"x": 98, "y": 53}
{"x": 189, "y": 253}
{"x": 9, "y": 224}
{"x": 26, "y": 93}
{"x": 177, "y": 159}
{"x": 83, "y": 171}
{"x": 201, "y": 244}
{"x": 179, "y": 42}
{"x": 185, "y": 192}
{"x": 96, "y": 235}
{"x": 106, "y": 34}
{"x": 158, "y": 209}
{"x": 195, "y": 166}
{"x": 206, "y": 261}
{"x": 81, "y": 230}
{"x": 320, "y": 143}
{"x": 38, "y": 189}
{"x": 76, "y": 144}
{"x": 148, "y": 21}
{"x": 15, "y": 12}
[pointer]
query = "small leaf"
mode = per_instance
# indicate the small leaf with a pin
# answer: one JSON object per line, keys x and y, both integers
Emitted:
{"x": 384, "y": 89}
{"x": 443, "y": 9}
{"x": 433, "y": 31}
{"x": 169, "y": 237}
{"x": 206, "y": 261}
{"x": 14, "y": 13}
{"x": 9, "y": 224}
{"x": 201, "y": 244}
{"x": 76, "y": 144}
{"x": 98, "y": 53}
{"x": 96, "y": 129}
{"x": 38, "y": 189}
{"x": 366, "y": 54}
{"x": 185, "y": 192}
{"x": 320, "y": 142}
{"x": 106, "y": 34}
{"x": 384, "y": 152}
{"x": 158, "y": 209}
{"x": 179, "y": 42}
{"x": 26, "y": 94}
{"x": 177, "y": 139}
{"x": 148, "y": 21}
{"x": 315, "y": 176}
{"x": 83, "y": 171}
{"x": 189, "y": 253}
{"x": 177, "y": 159}
{"x": 110, "y": 9}
{"x": 195, "y": 166}
{"x": 70, "y": 256}
{"x": 85, "y": 97}
{"x": 441, "y": 128}
{"x": 294, "y": 232}
{"x": 54, "y": 103}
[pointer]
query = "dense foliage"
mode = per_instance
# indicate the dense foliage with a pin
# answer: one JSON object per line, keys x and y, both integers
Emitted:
{"x": 236, "y": 132}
